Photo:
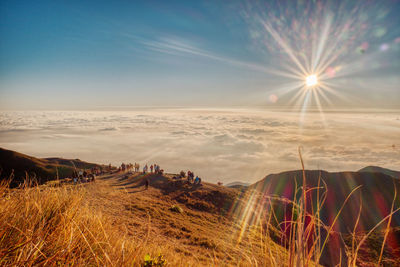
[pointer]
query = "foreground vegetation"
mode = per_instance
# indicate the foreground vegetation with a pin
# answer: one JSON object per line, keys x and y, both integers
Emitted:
{"x": 59, "y": 225}
{"x": 170, "y": 225}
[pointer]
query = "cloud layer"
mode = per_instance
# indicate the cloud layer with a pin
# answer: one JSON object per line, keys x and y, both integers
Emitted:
{"x": 219, "y": 145}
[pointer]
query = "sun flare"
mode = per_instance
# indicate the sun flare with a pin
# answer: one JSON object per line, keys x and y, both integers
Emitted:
{"x": 311, "y": 80}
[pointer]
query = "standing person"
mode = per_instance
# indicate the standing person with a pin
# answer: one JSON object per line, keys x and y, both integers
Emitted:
{"x": 144, "y": 170}
{"x": 123, "y": 166}
{"x": 151, "y": 168}
{"x": 147, "y": 182}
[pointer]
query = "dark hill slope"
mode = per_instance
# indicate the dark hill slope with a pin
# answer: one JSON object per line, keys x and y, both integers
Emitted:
{"x": 376, "y": 193}
{"x": 38, "y": 169}
{"x": 375, "y": 196}
{"x": 394, "y": 174}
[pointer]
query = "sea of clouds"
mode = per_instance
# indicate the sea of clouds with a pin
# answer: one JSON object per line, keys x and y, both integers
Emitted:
{"x": 219, "y": 145}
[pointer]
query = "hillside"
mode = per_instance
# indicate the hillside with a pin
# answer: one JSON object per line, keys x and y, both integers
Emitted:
{"x": 375, "y": 197}
{"x": 187, "y": 225}
{"x": 394, "y": 174}
{"x": 377, "y": 192}
{"x": 117, "y": 221}
{"x": 41, "y": 170}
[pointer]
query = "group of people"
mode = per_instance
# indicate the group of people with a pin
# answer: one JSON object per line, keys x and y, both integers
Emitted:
{"x": 84, "y": 176}
{"x": 190, "y": 177}
{"x": 126, "y": 167}
{"x": 154, "y": 168}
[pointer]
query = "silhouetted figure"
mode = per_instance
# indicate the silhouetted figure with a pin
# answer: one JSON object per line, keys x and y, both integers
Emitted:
{"x": 147, "y": 182}
{"x": 123, "y": 166}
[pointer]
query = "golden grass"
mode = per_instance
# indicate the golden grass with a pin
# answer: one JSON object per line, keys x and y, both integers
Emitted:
{"x": 87, "y": 225}
{"x": 53, "y": 226}
{"x": 72, "y": 225}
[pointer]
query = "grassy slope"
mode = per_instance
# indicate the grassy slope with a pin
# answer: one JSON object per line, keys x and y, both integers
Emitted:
{"x": 201, "y": 234}
{"x": 43, "y": 169}
{"x": 114, "y": 221}
{"x": 134, "y": 221}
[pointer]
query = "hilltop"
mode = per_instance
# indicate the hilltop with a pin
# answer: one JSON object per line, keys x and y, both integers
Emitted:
{"x": 39, "y": 169}
{"x": 392, "y": 173}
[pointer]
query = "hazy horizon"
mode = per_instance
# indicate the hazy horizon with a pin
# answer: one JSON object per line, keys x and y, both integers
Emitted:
{"x": 219, "y": 145}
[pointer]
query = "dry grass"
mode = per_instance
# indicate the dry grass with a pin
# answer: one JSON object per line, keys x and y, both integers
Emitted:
{"x": 41, "y": 226}
{"x": 114, "y": 222}
{"x": 101, "y": 225}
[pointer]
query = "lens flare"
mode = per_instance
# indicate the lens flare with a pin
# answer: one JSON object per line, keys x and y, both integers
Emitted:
{"x": 317, "y": 47}
{"x": 311, "y": 80}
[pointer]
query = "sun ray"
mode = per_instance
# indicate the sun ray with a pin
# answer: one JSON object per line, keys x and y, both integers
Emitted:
{"x": 326, "y": 99}
{"x": 306, "y": 102}
{"x": 322, "y": 42}
{"x": 335, "y": 93}
{"x": 285, "y": 46}
{"x": 300, "y": 93}
{"x": 299, "y": 98}
{"x": 319, "y": 106}
{"x": 288, "y": 88}
{"x": 297, "y": 74}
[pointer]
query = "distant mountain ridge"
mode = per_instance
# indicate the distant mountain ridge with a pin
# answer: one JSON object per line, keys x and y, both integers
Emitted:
{"x": 237, "y": 184}
{"x": 40, "y": 169}
{"x": 394, "y": 174}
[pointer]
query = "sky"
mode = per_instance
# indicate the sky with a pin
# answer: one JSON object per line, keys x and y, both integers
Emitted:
{"x": 100, "y": 55}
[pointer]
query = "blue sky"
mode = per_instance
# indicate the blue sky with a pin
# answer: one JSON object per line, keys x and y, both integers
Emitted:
{"x": 100, "y": 54}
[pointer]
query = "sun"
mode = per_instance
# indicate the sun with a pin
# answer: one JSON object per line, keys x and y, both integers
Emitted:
{"x": 311, "y": 80}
